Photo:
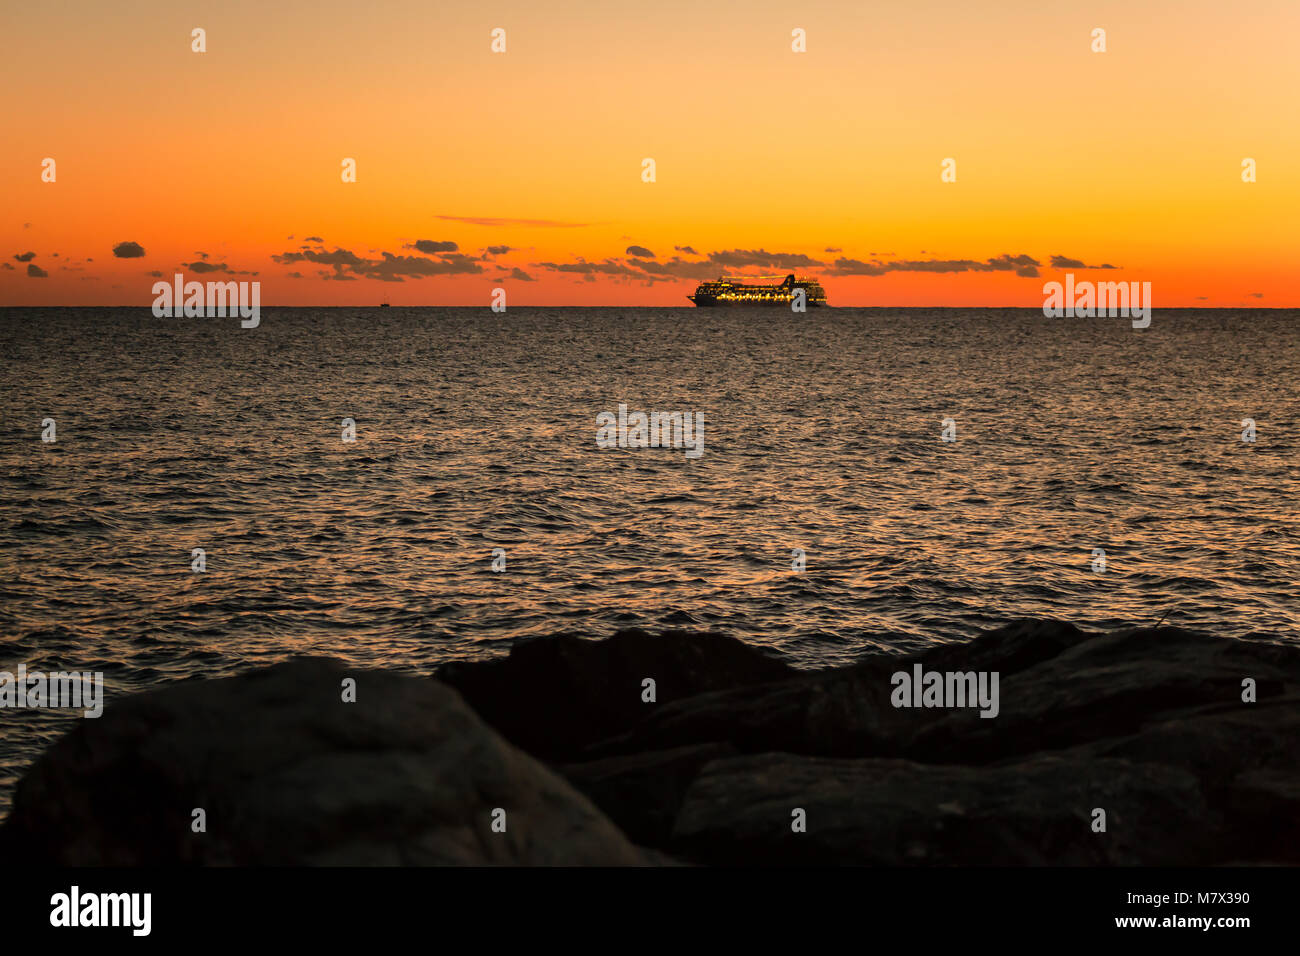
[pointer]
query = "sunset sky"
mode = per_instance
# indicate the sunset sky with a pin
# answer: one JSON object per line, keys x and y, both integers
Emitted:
{"x": 825, "y": 163}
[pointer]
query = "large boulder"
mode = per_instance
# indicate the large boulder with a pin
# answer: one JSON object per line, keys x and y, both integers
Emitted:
{"x": 287, "y": 773}
{"x": 840, "y": 712}
{"x": 1039, "y": 811}
{"x": 1157, "y": 707}
{"x": 1109, "y": 686}
{"x": 555, "y": 696}
{"x": 1244, "y": 756}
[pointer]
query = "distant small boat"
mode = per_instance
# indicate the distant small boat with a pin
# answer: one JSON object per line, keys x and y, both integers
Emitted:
{"x": 384, "y": 305}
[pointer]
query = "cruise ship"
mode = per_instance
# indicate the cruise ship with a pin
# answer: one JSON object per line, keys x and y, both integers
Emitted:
{"x": 753, "y": 291}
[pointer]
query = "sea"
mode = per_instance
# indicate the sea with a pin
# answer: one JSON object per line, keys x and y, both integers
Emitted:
{"x": 868, "y": 480}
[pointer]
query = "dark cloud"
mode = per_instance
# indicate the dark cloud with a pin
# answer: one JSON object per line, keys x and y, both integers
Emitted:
{"x": 1256, "y": 295}
{"x": 296, "y": 275}
{"x": 36, "y": 272}
{"x": 393, "y": 268}
{"x": 856, "y": 267}
{"x": 761, "y": 257}
{"x": 497, "y": 250}
{"x": 1065, "y": 262}
{"x": 609, "y": 268}
{"x": 156, "y": 274}
{"x": 201, "y": 255}
{"x": 686, "y": 249}
{"x": 494, "y": 221}
{"x": 6, "y": 265}
{"x": 128, "y": 250}
{"x": 202, "y": 267}
{"x": 641, "y": 252}
{"x": 431, "y": 246}
{"x": 832, "y": 249}
{"x": 390, "y": 268}
{"x": 520, "y": 275}
{"x": 311, "y": 239}
{"x": 25, "y": 256}
{"x": 1021, "y": 265}
{"x": 647, "y": 271}
{"x": 339, "y": 257}
{"x": 677, "y": 268}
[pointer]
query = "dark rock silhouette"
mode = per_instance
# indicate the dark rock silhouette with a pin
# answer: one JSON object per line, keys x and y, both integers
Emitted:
{"x": 897, "y": 812}
{"x": 1148, "y": 725}
{"x": 288, "y": 774}
{"x": 555, "y": 696}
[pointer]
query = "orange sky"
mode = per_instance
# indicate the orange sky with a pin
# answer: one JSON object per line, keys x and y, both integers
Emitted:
{"x": 1130, "y": 157}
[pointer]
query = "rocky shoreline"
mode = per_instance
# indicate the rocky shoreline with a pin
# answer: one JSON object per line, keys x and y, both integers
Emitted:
{"x": 695, "y": 748}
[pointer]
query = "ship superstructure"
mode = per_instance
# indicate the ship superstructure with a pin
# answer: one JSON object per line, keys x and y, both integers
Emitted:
{"x": 753, "y": 291}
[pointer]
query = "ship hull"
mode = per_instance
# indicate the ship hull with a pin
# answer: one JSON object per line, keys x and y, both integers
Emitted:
{"x": 709, "y": 302}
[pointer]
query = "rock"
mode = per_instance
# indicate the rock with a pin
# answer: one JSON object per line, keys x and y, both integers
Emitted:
{"x": 1009, "y": 649}
{"x": 833, "y": 713}
{"x": 1058, "y": 687}
{"x": 1244, "y": 756}
{"x": 842, "y": 712}
{"x": 642, "y": 792}
{"x": 896, "y": 812}
{"x": 1217, "y": 744}
{"x": 288, "y": 774}
{"x": 1150, "y": 719}
{"x": 555, "y": 696}
{"x": 1108, "y": 686}
{"x": 1148, "y": 724}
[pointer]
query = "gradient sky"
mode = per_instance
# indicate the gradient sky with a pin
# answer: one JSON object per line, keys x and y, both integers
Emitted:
{"x": 232, "y": 157}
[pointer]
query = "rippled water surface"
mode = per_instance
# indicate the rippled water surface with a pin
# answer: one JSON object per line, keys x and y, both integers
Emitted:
{"x": 477, "y": 431}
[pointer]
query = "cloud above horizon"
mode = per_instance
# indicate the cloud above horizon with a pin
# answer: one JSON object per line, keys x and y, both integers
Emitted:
{"x": 202, "y": 266}
{"x": 128, "y": 250}
{"x": 1065, "y": 262}
{"x": 431, "y": 246}
{"x": 348, "y": 266}
{"x": 740, "y": 258}
{"x": 1022, "y": 265}
{"x": 639, "y": 264}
